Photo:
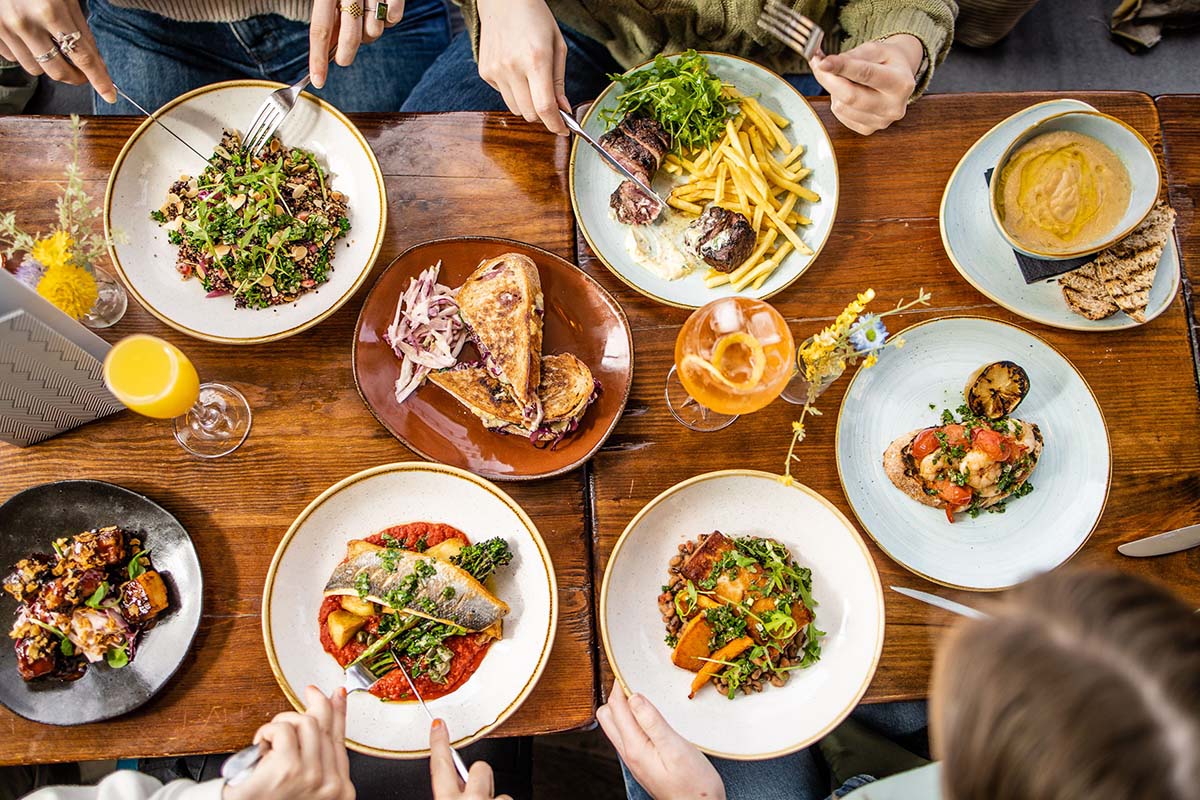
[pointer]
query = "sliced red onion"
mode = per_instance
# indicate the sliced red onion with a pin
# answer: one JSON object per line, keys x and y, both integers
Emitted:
{"x": 426, "y": 333}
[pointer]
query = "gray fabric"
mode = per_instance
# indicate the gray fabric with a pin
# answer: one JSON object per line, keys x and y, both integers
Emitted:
{"x": 1139, "y": 24}
{"x": 16, "y": 87}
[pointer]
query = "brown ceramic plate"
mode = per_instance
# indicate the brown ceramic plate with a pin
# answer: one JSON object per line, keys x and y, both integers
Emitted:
{"x": 581, "y": 318}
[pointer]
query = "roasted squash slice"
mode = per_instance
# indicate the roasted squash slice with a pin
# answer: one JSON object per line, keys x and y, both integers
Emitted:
{"x": 711, "y": 668}
{"x": 693, "y": 644}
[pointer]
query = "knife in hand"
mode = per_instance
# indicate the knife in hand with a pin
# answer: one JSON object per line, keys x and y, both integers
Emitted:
{"x": 609, "y": 158}
{"x": 1163, "y": 543}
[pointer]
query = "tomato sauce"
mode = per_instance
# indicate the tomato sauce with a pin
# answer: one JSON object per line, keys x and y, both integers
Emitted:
{"x": 469, "y": 649}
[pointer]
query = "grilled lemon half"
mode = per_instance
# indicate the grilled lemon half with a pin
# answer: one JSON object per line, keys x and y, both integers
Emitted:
{"x": 995, "y": 390}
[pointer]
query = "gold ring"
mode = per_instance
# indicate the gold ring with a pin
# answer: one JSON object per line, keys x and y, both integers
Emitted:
{"x": 353, "y": 9}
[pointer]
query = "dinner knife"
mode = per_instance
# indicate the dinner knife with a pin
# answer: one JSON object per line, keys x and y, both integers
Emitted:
{"x": 940, "y": 602}
{"x": 608, "y": 157}
{"x": 161, "y": 124}
{"x": 1163, "y": 543}
{"x": 459, "y": 766}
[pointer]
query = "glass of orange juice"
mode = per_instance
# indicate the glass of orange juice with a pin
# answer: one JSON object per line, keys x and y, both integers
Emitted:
{"x": 733, "y": 356}
{"x": 152, "y": 377}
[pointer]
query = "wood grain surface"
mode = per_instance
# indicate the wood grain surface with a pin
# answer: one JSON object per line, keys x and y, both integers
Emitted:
{"x": 1180, "y": 115}
{"x": 446, "y": 175}
{"x": 886, "y": 236}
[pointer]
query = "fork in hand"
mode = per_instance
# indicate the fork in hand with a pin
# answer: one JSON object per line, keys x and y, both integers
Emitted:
{"x": 792, "y": 28}
{"x": 273, "y": 112}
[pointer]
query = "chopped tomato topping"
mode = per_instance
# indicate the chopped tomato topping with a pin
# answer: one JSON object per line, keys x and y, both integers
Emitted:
{"x": 996, "y": 445}
{"x": 956, "y": 496}
{"x": 925, "y": 443}
{"x": 956, "y": 435}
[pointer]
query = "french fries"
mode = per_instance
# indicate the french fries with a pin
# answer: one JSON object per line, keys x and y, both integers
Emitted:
{"x": 755, "y": 170}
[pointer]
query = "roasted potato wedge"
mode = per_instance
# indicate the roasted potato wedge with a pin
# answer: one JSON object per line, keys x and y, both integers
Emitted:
{"x": 343, "y": 625}
{"x": 358, "y": 606}
{"x": 445, "y": 549}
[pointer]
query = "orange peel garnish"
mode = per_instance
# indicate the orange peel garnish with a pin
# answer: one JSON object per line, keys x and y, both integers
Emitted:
{"x": 711, "y": 368}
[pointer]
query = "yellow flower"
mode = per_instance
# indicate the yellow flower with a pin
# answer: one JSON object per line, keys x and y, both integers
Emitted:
{"x": 53, "y": 251}
{"x": 898, "y": 342}
{"x": 866, "y": 297}
{"x": 798, "y": 428}
{"x": 70, "y": 288}
{"x": 786, "y": 480}
{"x": 870, "y": 361}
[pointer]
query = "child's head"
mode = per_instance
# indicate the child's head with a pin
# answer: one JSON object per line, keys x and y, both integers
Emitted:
{"x": 1081, "y": 686}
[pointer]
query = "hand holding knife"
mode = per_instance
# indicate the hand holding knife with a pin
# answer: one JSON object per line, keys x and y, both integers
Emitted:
{"x": 609, "y": 159}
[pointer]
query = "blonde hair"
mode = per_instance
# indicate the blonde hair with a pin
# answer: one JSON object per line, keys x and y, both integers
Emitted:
{"x": 1082, "y": 685}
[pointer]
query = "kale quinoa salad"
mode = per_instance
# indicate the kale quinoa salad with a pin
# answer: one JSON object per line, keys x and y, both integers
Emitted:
{"x": 260, "y": 228}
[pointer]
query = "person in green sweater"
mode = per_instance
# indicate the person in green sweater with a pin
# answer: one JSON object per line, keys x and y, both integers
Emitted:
{"x": 535, "y": 56}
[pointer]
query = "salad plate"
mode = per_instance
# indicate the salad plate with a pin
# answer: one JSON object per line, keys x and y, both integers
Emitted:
{"x": 151, "y": 162}
{"x": 580, "y": 317}
{"x": 29, "y": 522}
{"x": 985, "y": 259}
{"x": 592, "y": 182}
{"x": 909, "y": 389}
{"x": 369, "y": 502}
{"x": 844, "y": 584}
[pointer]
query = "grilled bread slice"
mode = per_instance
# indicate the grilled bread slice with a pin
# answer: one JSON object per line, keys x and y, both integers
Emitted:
{"x": 1086, "y": 294}
{"x": 1127, "y": 268}
{"x": 502, "y": 305}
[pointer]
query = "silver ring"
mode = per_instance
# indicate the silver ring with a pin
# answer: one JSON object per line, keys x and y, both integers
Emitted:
{"x": 67, "y": 42}
{"x": 49, "y": 55}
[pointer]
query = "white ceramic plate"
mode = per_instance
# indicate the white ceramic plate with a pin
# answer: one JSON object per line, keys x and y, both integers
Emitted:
{"x": 980, "y": 253}
{"x": 593, "y": 181}
{"x": 778, "y": 720}
{"x": 152, "y": 160}
{"x": 1037, "y": 532}
{"x": 363, "y": 504}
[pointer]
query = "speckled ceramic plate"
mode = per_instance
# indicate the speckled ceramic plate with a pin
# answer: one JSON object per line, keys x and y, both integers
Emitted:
{"x": 581, "y": 318}
{"x": 908, "y": 389}
{"x": 981, "y": 255}
{"x": 29, "y": 521}
{"x": 366, "y": 503}
{"x": 152, "y": 160}
{"x": 779, "y": 720}
{"x": 593, "y": 181}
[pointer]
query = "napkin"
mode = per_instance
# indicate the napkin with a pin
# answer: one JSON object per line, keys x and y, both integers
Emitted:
{"x": 1040, "y": 269}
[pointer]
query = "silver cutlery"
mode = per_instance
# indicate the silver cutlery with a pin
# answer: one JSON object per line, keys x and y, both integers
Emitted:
{"x": 1163, "y": 543}
{"x": 273, "y": 112}
{"x": 241, "y": 764}
{"x": 459, "y": 765}
{"x": 792, "y": 28}
{"x": 940, "y": 602}
{"x": 608, "y": 157}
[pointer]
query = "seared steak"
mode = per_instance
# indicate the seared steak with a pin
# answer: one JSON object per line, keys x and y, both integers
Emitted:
{"x": 640, "y": 144}
{"x": 723, "y": 238}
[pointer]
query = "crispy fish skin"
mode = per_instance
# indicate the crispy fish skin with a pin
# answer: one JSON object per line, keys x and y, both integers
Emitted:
{"x": 469, "y": 606}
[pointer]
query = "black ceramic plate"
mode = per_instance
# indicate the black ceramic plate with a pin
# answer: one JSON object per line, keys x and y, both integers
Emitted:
{"x": 29, "y": 521}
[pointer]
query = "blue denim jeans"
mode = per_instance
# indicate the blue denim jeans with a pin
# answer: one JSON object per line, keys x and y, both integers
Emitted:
{"x": 803, "y": 775}
{"x": 154, "y": 59}
{"x": 452, "y": 83}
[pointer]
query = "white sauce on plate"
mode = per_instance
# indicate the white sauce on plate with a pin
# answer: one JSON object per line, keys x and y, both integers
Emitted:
{"x": 660, "y": 248}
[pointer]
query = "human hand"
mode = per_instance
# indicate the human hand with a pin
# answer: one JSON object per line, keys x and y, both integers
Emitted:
{"x": 869, "y": 86}
{"x": 307, "y": 756}
{"x": 481, "y": 784}
{"x": 28, "y": 29}
{"x": 668, "y": 766}
{"x": 522, "y": 55}
{"x": 331, "y": 26}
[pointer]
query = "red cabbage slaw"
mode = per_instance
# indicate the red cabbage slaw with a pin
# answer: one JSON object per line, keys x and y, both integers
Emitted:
{"x": 427, "y": 332}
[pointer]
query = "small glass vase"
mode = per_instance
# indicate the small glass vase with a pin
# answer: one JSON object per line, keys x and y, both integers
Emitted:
{"x": 110, "y": 304}
{"x": 799, "y": 390}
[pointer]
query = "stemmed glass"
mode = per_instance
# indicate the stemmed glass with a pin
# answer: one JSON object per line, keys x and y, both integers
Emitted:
{"x": 733, "y": 356}
{"x": 154, "y": 378}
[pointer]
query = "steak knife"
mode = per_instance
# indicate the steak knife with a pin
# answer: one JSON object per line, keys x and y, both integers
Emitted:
{"x": 608, "y": 157}
{"x": 1163, "y": 543}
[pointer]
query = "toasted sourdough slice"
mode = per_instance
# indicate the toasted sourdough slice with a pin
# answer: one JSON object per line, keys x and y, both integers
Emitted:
{"x": 566, "y": 391}
{"x": 1127, "y": 268}
{"x": 502, "y": 305}
{"x": 902, "y": 469}
{"x": 1086, "y": 294}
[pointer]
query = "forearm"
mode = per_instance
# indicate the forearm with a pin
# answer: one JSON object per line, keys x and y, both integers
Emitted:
{"x": 931, "y": 22}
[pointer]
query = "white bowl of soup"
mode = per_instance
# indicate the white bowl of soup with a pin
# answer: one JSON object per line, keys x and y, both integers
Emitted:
{"x": 1073, "y": 184}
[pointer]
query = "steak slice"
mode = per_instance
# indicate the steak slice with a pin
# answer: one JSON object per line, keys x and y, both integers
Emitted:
{"x": 723, "y": 238}
{"x": 633, "y": 206}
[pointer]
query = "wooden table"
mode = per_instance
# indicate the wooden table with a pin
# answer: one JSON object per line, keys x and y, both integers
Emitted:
{"x": 1181, "y": 141}
{"x": 886, "y": 236}
{"x": 446, "y": 175}
{"x": 485, "y": 174}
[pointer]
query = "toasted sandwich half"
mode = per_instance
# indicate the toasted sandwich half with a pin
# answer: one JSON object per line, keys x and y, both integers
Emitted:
{"x": 567, "y": 389}
{"x": 502, "y": 305}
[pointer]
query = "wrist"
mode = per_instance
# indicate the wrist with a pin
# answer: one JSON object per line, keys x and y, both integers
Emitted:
{"x": 910, "y": 48}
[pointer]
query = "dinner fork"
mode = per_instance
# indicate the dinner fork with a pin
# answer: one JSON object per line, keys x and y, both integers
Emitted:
{"x": 459, "y": 766}
{"x": 792, "y": 28}
{"x": 273, "y": 112}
